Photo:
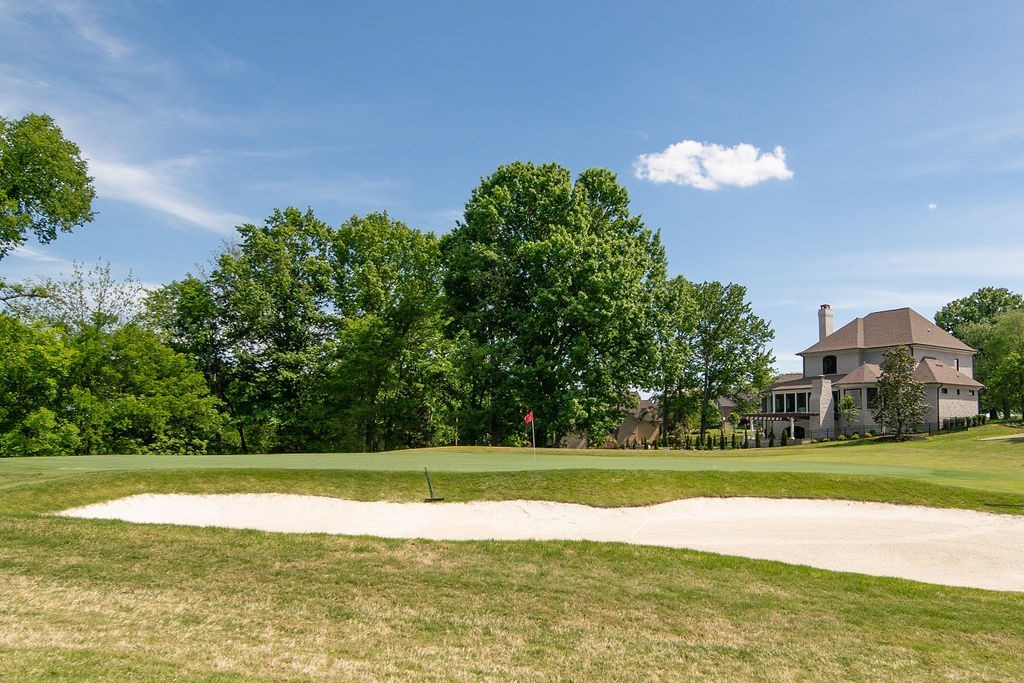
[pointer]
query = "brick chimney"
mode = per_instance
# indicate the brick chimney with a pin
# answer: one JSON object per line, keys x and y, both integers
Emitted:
{"x": 824, "y": 322}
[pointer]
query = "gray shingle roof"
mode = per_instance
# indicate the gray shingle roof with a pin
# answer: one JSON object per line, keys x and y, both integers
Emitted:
{"x": 888, "y": 328}
{"x": 866, "y": 373}
{"x": 931, "y": 371}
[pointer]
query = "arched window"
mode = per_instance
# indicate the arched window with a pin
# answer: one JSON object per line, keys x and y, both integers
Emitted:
{"x": 828, "y": 365}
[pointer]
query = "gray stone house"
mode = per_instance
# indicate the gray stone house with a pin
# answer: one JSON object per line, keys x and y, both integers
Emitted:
{"x": 846, "y": 362}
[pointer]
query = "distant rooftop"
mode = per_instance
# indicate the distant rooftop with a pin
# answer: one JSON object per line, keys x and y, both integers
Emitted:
{"x": 900, "y": 326}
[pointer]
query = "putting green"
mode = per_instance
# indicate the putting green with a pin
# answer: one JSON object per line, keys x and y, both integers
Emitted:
{"x": 956, "y": 460}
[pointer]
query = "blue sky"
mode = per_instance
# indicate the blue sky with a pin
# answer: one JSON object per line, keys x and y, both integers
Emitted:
{"x": 868, "y": 155}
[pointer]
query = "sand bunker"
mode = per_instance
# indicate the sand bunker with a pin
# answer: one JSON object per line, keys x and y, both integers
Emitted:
{"x": 950, "y": 547}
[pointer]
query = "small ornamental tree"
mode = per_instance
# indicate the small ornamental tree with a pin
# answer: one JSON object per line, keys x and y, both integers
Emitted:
{"x": 900, "y": 404}
{"x": 848, "y": 411}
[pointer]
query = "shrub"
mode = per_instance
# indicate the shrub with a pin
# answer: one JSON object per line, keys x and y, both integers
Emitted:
{"x": 841, "y": 437}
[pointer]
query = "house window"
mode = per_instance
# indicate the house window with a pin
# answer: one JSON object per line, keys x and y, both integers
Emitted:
{"x": 828, "y": 365}
{"x": 790, "y": 403}
{"x": 957, "y": 392}
{"x": 801, "y": 402}
{"x": 780, "y": 405}
{"x": 957, "y": 363}
{"x": 972, "y": 392}
{"x": 872, "y": 396}
{"x": 945, "y": 390}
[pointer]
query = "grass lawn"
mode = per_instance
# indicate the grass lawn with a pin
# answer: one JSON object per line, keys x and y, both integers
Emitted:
{"x": 94, "y": 599}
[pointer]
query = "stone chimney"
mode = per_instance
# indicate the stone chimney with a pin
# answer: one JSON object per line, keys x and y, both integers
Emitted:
{"x": 824, "y": 322}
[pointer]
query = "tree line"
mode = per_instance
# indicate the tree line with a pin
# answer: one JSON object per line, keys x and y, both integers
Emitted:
{"x": 548, "y": 296}
{"x": 992, "y": 321}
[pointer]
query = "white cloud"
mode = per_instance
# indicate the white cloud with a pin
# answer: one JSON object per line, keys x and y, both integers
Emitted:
{"x": 932, "y": 206}
{"x": 30, "y": 254}
{"x": 82, "y": 18}
{"x": 158, "y": 187}
{"x": 708, "y": 166}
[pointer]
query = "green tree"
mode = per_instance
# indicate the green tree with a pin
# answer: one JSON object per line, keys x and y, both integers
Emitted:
{"x": 848, "y": 411}
{"x": 673, "y": 333}
{"x": 1002, "y": 345}
{"x": 88, "y": 297}
{"x": 272, "y": 293}
{"x": 728, "y": 354}
{"x": 80, "y": 375}
{"x": 552, "y": 284}
{"x": 900, "y": 404}
{"x": 44, "y": 183}
{"x": 130, "y": 393}
{"x": 318, "y": 338}
{"x": 34, "y": 366}
{"x": 983, "y": 306}
{"x": 389, "y": 368}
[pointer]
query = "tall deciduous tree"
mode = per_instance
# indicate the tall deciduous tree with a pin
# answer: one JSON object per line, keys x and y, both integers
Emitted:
{"x": 983, "y": 306}
{"x": 44, "y": 184}
{"x": 1002, "y": 347}
{"x": 272, "y": 292}
{"x": 552, "y": 282}
{"x": 388, "y": 369}
{"x": 900, "y": 403}
{"x": 674, "y": 332}
{"x": 728, "y": 353}
{"x": 319, "y": 338}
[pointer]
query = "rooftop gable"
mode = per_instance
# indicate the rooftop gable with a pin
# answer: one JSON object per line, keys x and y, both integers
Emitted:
{"x": 882, "y": 329}
{"x": 931, "y": 371}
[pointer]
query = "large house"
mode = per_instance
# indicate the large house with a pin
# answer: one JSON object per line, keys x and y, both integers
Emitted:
{"x": 847, "y": 362}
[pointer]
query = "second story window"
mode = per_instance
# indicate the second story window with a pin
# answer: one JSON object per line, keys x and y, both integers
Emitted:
{"x": 828, "y": 365}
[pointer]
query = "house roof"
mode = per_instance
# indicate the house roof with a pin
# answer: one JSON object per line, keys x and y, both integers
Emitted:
{"x": 866, "y": 373}
{"x": 900, "y": 326}
{"x": 797, "y": 381}
{"x": 645, "y": 410}
{"x": 931, "y": 371}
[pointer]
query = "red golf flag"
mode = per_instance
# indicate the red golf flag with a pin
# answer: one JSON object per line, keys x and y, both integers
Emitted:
{"x": 528, "y": 418}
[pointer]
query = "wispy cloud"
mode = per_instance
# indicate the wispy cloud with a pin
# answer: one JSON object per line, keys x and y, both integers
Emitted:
{"x": 36, "y": 256}
{"x": 159, "y": 187}
{"x": 708, "y": 166}
{"x": 83, "y": 19}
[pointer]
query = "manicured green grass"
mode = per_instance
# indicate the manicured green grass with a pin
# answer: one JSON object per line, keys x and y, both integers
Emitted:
{"x": 962, "y": 459}
{"x": 94, "y": 599}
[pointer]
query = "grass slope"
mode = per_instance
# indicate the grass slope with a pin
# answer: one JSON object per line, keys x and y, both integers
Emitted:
{"x": 94, "y": 599}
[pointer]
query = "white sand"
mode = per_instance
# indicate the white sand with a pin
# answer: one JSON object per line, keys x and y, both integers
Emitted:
{"x": 950, "y": 547}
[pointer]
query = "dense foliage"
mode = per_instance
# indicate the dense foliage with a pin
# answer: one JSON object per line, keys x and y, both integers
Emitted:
{"x": 992, "y": 321}
{"x": 81, "y": 374}
{"x": 550, "y": 285}
{"x": 549, "y": 296}
{"x": 716, "y": 347}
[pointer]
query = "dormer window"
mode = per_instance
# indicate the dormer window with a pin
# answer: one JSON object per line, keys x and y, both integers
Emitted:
{"x": 828, "y": 365}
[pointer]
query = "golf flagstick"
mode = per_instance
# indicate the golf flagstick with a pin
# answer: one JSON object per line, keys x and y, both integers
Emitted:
{"x": 533, "y": 433}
